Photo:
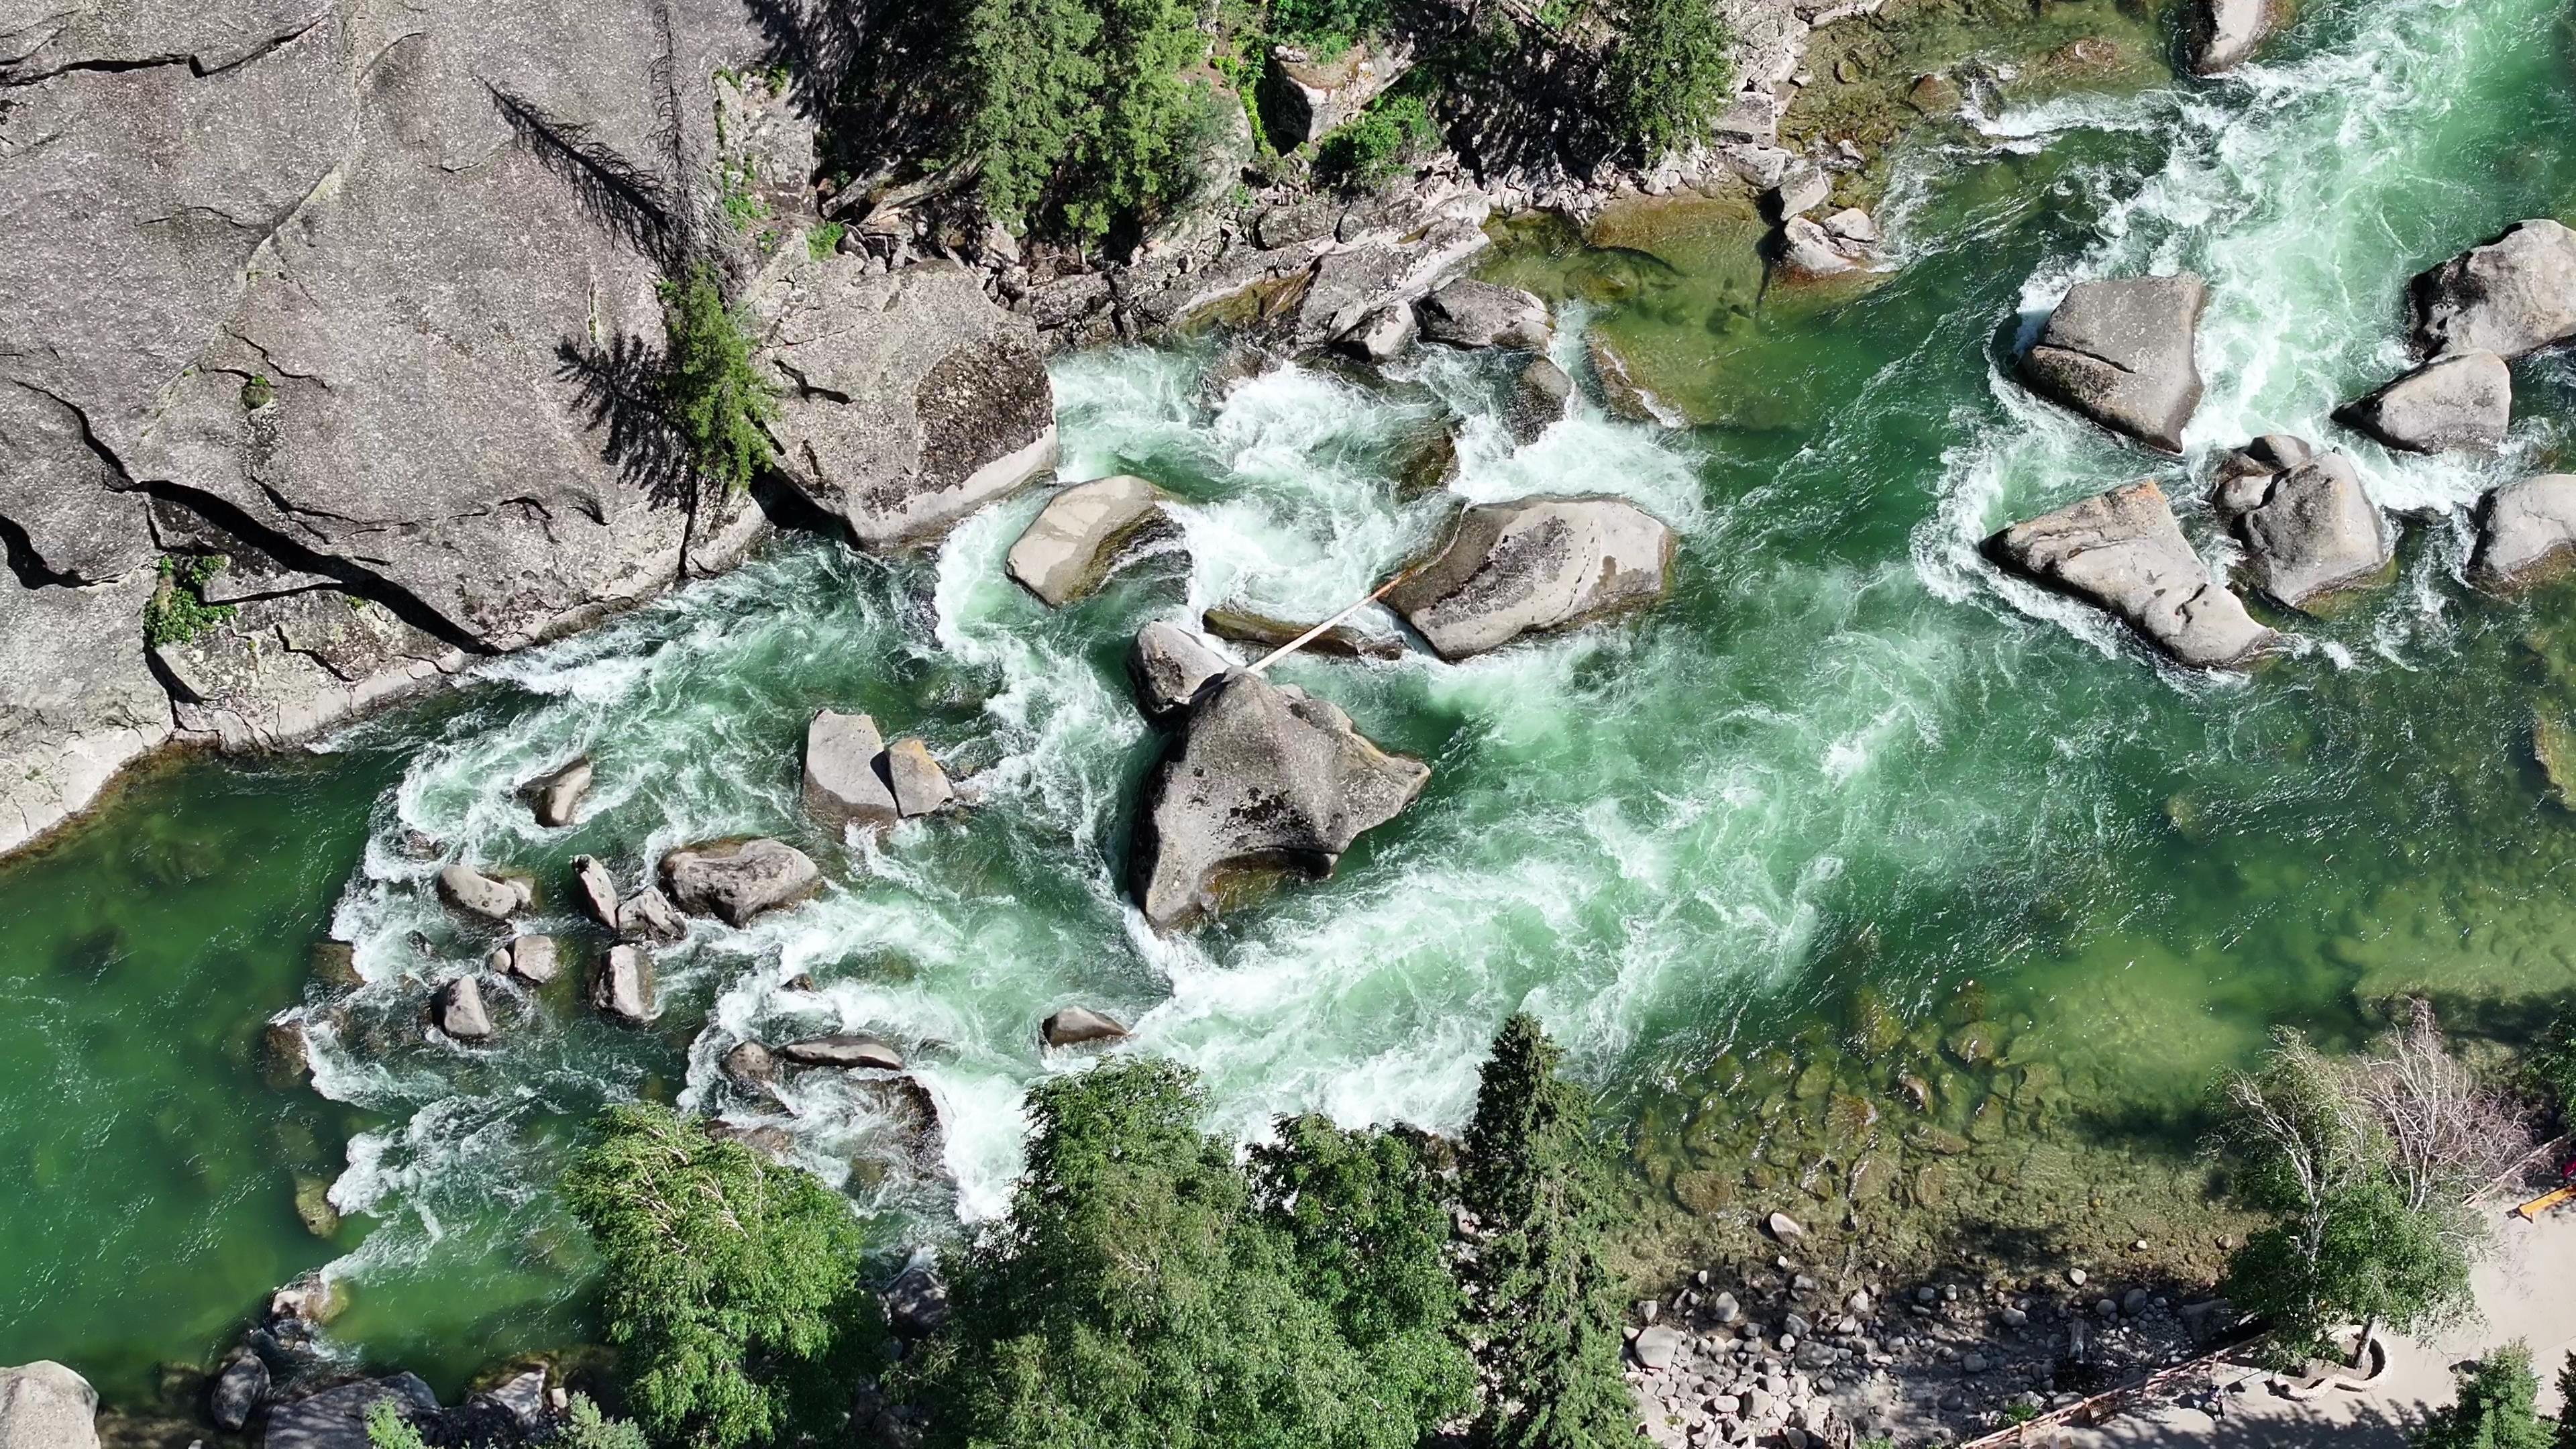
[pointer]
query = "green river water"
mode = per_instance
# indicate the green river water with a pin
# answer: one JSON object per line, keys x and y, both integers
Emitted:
{"x": 1848, "y": 810}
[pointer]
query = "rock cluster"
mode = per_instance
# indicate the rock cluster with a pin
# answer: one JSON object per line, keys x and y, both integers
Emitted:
{"x": 738, "y": 879}
{"x": 2309, "y": 529}
{"x": 852, "y": 777}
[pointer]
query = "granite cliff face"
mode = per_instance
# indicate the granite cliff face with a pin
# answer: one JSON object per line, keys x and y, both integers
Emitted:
{"x": 363, "y": 298}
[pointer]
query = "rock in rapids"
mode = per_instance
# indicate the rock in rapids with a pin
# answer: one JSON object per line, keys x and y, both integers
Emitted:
{"x": 2120, "y": 352}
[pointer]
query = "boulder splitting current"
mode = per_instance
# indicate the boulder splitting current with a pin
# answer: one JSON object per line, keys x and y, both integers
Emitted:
{"x": 1263, "y": 780}
{"x": 2121, "y": 353}
{"x": 2123, "y": 553}
{"x": 1534, "y": 565}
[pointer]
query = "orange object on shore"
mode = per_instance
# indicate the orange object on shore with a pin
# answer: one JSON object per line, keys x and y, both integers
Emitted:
{"x": 2543, "y": 1203}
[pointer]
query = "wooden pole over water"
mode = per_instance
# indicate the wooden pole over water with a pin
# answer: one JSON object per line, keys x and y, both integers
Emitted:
{"x": 1311, "y": 635}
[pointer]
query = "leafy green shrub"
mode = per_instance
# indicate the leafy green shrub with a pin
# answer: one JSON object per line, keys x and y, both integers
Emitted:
{"x": 177, "y": 612}
{"x": 730, "y": 1285}
{"x": 1534, "y": 1175}
{"x": 716, "y": 400}
{"x": 2496, "y": 1407}
{"x": 1326, "y": 27}
{"x": 1669, "y": 74}
{"x": 585, "y": 1427}
{"x": 824, "y": 240}
{"x": 1145, "y": 1291}
{"x": 388, "y": 1429}
{"x": 1078, "y": 112}
{"x": 1380, "y": 143}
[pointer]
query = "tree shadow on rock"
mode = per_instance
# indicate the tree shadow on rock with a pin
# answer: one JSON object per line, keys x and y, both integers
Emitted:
{"x": 879, "y": 78}
{"x": 621, "y": 389}
{"x": 627, "y": 201}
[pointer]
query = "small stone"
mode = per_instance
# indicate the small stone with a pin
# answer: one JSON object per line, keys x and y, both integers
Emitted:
{"x": 1784, "y": 1227}
{"x": 1974, "y": 1363}
{"x": 2015, "y": 1318}
{"x": 2075, "y": 1276}
{"x": 2139, "y": 1246}
{"x": 2134, "y": 1302}
{"x": 1927, "y": 1294}
{"x": 1723, "y": 1308}
{"x": 1647, "y": 1308}
{"x": 1656, "y": 1347}
{"x": 1788, "y": 1341}
{"x": 2106, "y": 1308}
{"x": 1858, "y": 1303}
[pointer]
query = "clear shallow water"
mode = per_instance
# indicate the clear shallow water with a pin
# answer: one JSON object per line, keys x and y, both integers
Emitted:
{"x": 1846, "y": 767}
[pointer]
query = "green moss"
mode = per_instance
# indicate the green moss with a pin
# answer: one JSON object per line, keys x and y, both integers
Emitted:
{"x": 257, "y": 393}
{"x": 177, "y": 612}
{"x": 824, "y": 240}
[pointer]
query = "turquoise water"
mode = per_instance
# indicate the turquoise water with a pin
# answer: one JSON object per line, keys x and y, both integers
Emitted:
{"x": 1757, "y": 857}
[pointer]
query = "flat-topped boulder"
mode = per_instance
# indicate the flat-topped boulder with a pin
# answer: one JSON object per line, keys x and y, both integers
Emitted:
{"x": 1169, "y": 665}
{"x": 1535, "y": 565}
{"x": 2461, "y": 401}
{"x": 913, "y": 774}
{"x": 843, "y": 1049}
{"x": 2122, "y": 552}
{"x": 842, "y": 786}
{"x": 2526, "y": 533}
{"x": 2121, "y": 352}
{"x": 533, "y": 959}
{"x": 1469, "y": 313}
{"x": 736, "y": 880}
{"x": 1242, "y": 626}
{"x": 1075, "y": 1025}
{"x": 476, "y": 894}
{"x": 1083, "y": 534}
{"x": 557, "y": 795}
{"x": 908, "y": 400}
{"x": 621, "y": 985}
{"x": 2314, "y": 532}
{"x": 2220, "y": 35}
{"x": 2515, "y": 295}
{"x": 1262, "y": 781}
{"x": 44, "y": 1405}
{"x": 336, "y": 1418}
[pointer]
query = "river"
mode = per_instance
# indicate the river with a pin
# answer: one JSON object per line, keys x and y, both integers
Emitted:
{"x": 1757, "y": 857}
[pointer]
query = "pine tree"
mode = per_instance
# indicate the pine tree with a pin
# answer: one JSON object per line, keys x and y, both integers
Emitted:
{"x": 2495, "y": 1408}
{"x": 2567, "y": 1403}
{"x": 1546, "y": 1305}
{"x": 717, "y": 400}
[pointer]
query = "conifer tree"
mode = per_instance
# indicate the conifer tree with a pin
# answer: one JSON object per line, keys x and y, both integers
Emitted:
{"x": 2495, "y": 1408}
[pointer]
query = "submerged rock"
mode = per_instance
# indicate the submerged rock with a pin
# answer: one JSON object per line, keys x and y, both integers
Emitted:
{"x": 476, "y": 894}
{"x": 1082, "y": 535}
{"x": 337, "y": 1418}
{"x": 736, "y": 880}
{"x": 556, "y": 796}
{"x": 2121, "y": 353}
{"x": 920, "y": 786}
{"x": 908, "y": 400}
{"x": 2515, "y": 295}
{"x": 1242, "y": 626}
{"x": 2223, "y": 34}
{"x": 1075, "y": 1025}
{"x": 1262, "y": 781}
{"x": 2122, "y": 552}
{"x": 750, "y": 1066}
{"x": 842, "y": 786}
{"x": 648, "y": 915}
{"x": 621, "y": 986}
{"x": 1169, "y": 665}
{"x": 1535, "y": 565}
{"x": 2313, "y": 532}
{"x": 2526, "y": 532}
{"x": 2461, "y": 401}
{"x": 1621, "y": 393}
{"x": 1469, "y": 313}
{"x": 843, "y": 1049}
{"x": 461, "y": 1013}
{"x": 596, "y": 889}
{"x": 44, "y": 1405}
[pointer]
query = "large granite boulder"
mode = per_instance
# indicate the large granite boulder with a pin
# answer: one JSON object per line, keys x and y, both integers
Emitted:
{"x": 1469, "y": 313}
{"x": 2120, "y": 351}
{"x": 2515, "y": 295}
{"x": 460, "y": 1012}
{"x": 2461, "y": 401}
{"x": 2314, "y": 532}
{"x": 337, "y": 1418}
{"x": 1083, "y": 534}
{"x": 2122, "y": 552}
{"x": 1303, "y": 97}
{"x": 1169, "y": 665}
{"x": 1532, "y": 566}
{"x": 44, "y": 1405}
{"x": 361, "y": 298}
{"x": 621, "y": 985}
{"x": 842, "y": 786}
{"x": 238, "y": 1389}
{"x": 2526, "y": 532}
{"x": 2221, "y": 35}
{"x": 473, "y": 893}
{"x": 914, "y": 774}
{"x": 595, "y": 889}
{"x": 738, "y": 879}
{"x": 1262, "y": 781}
{"x": 908, "y": 399}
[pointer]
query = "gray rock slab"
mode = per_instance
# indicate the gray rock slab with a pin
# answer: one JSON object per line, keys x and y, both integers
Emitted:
{"x": 460, "y": 1011}
{"x": 2123, "y": 553}
{"x": 1168, "y": 665}
{"x": 2512, "y": 296}
{"x": 2314, "y": 533}
{"x": 1075, "y": 1025}
{"x": 1535, "y": 565}
{"x": 621, "y": 985}
{"x": 1262, "y": 780}
{"x": 337, "y": 1418}
{"x": 736, "y": 880}
{"x": 1470, "y": 313}
{"x": 476, "y": 894}
{"x": 1082, "y": 535}
{"x": 2121, "y": 352}
{"x": 81, "y": 701}
{"x": 595, "y": 889}
{"x": 842, "y": 786}
{"x": 2221, "y": 35}
{"x": 2464, "y": 400}
{"x": 842, "y": 1049}
{"x": 2526, "y": 532}
{"x": 919, "y": 785}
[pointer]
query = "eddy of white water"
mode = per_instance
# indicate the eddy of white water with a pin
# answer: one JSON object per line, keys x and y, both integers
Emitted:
{"x": 1630, "y": 831}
